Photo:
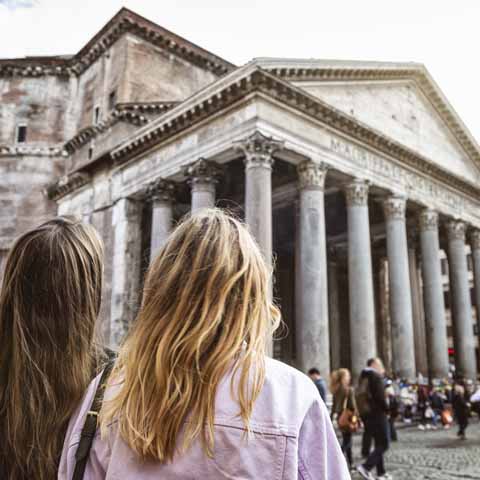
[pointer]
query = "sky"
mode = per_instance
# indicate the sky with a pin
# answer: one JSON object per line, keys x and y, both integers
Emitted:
{"x": 442, "y": 34}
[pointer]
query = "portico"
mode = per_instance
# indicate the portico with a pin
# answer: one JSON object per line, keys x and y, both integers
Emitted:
{"x": 330, "y": 201}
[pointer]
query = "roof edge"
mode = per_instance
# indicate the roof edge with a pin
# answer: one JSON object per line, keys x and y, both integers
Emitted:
{"x": 124, "y": 21}
{"x": 338, "y": 70}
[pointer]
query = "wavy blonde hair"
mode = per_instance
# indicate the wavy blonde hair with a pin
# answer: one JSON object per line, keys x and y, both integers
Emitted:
{"x": 49, "y": 304}
{"x": 206, "y": 309}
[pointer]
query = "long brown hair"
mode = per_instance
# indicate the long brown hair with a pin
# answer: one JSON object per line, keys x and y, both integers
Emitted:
{"x": 206, "y": 309}
{"x": 49, "y": 303}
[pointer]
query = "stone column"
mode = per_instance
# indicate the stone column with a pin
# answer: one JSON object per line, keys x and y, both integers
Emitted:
{"x": 465, "y": 361}
{"x": 258, "y": 150}
{"x": 436, "y": 325}
{"x": 127, "y": 250}
{"x": 362, "y": 308}
{"x": 421, "y": 359}
{"x": 334, "y": 314}
{"x": 161, "y": 193}
{"x": 384, "y": 324}
{"x": 311, "y": 322}
{"x": 475, "y": 246}
{"x": 403, "y": 347}
{"x": 202, "y": 177}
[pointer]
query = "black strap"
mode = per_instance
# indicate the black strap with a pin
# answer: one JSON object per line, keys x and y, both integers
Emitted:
{"x": 90, "y": 426}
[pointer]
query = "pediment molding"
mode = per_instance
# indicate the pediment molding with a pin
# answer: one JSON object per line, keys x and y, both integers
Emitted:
{"x": 325, "y": 71}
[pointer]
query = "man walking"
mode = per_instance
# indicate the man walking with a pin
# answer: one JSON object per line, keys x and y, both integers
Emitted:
{"x": 373, "y": 407}
{"x": 319, "y": 382}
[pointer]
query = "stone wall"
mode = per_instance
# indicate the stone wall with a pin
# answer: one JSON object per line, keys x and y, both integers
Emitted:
{"x": 26, "y": 168}
{"x": 40, "y": 103}
{"x": 154, "y": 75}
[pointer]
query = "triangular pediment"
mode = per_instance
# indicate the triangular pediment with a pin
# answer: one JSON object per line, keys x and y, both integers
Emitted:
{"x": 400, "y": 100}
{"x": 399, "y": 110}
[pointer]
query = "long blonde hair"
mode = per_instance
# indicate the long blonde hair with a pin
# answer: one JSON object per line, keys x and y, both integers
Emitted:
{"x": 206, "y": 309}
{"x": 49, "y": 303}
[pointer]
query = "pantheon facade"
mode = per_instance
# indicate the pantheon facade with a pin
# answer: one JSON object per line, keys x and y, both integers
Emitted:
{"x": 358, "y": 179}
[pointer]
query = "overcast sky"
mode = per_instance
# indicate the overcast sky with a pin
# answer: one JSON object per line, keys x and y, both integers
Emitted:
{"x": 442, "y": 34}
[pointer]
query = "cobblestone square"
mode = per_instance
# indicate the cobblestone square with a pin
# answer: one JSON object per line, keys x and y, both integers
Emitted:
{"x": 432, "y": 454}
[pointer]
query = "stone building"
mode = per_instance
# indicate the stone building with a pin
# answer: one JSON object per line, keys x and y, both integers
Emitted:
{"x": 358, "y": 178}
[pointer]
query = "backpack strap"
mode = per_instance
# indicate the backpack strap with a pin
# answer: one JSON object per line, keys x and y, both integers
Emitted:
{"x": 90, "y": 426}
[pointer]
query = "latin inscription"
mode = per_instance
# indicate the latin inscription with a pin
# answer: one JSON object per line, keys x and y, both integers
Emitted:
{"x": 415, "y": 184}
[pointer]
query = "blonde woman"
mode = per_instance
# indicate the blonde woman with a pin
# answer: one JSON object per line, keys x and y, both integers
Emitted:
{"x": 49, "y": 301}
{"x": 193, "y": 395}
{"x": 343, "y": 398}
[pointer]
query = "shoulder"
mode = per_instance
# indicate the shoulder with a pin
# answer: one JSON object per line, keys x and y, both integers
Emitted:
{"x": 75, "y": 426}
{"x": 78, "y": 419}
{"x": 283, "y": 376}
{"x": 291, "y": 392}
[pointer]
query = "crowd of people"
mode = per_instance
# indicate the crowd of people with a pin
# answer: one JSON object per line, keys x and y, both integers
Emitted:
{"x": 377, "y": 403}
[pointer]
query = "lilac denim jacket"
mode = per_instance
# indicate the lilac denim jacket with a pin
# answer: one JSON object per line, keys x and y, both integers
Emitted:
{"x": 293, "y": 438}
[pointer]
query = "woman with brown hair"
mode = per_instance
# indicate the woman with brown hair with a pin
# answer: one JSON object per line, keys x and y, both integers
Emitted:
{"x": 49, "y": 302}
{"x": 344, "y": 404}
{"x": 193, "y": 394}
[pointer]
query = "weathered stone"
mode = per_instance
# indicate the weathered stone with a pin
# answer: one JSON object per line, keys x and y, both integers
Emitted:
{"x": 139, "y": 104}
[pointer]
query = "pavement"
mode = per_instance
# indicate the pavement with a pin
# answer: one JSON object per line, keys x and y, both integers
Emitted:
{"x": 432, "y": 454}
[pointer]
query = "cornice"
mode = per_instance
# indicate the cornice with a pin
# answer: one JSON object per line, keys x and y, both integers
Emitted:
{"x": 66, "y": 184}
{"x": 125, "y": 21}
{"x": 332, "y": 71}
{"x": 157, "y": 108}
{"x": 31, "y": 150}
{"x": 249, "y": 80}
{"x": 87, "y": 134}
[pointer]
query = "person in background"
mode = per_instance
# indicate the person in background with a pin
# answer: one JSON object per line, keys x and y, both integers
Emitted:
{"x": 372, "y": 406}
{"x": 461, "y": 408}
{"x": 343, "y": 398}
{"x": 319, "y": 382}
{"x": 49, "y": 303}
{"x": 393, "y": 409}
{"x": 475, "y": 400}
{"x": 422, "y": 406}
{"x": 193, "y": 393}
{"x": 437, "y": 404}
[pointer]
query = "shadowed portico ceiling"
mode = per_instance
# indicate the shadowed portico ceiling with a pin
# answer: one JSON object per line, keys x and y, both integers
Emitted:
{"x": 312, "y": 70}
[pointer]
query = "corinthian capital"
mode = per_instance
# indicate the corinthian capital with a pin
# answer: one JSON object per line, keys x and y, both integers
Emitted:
{"x": 258, "y": 150}
{"x": 456, "y": 230}
{"x": 202, "y": 171}
{"x": 394, "y": 208}
{"x": 428, "y": 220}
{"x": 160, "y": 190}
{"x": 475, "y": 239}
{"x": 357, "y": 193}
{"x": 311, "y": 175}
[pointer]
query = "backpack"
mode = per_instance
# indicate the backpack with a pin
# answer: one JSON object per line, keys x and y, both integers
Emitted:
{"x": 362, "y": 397}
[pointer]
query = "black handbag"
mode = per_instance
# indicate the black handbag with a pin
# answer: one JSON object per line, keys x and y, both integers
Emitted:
{"x": 90, "y": 426}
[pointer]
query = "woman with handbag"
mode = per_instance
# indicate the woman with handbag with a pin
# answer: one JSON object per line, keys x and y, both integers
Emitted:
{"x": 49, "y": 303}
{"x": 344, "y": 410}
{"x": 193, "y": 394}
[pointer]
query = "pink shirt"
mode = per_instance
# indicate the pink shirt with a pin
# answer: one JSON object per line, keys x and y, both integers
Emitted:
{"x": 293, "y": 438}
